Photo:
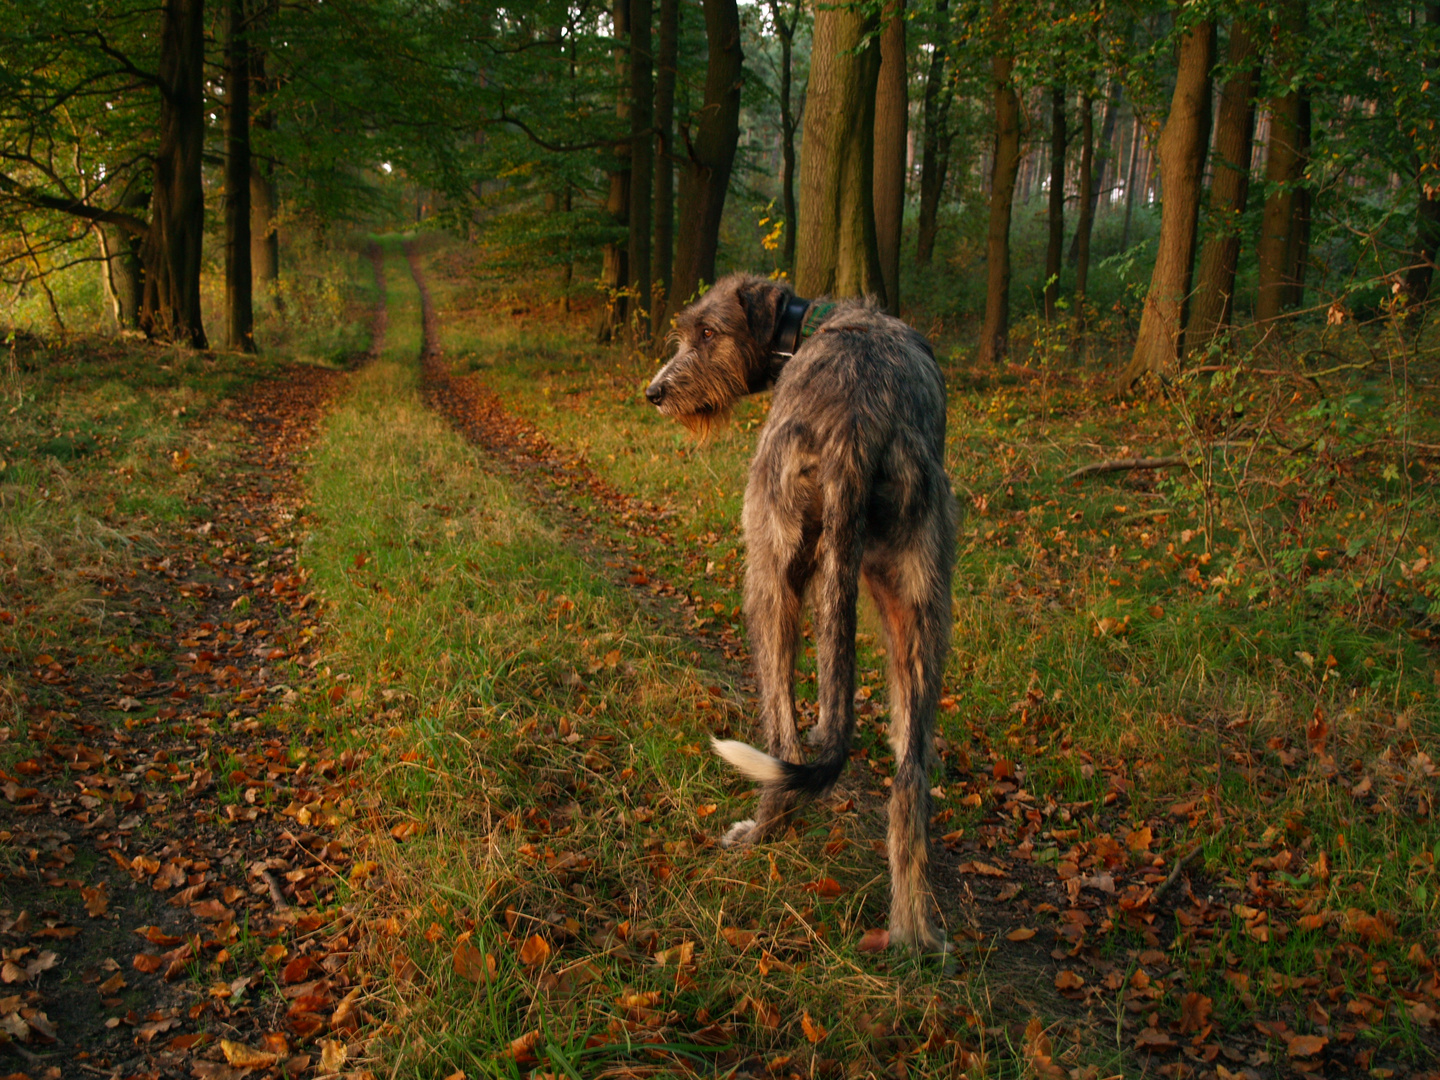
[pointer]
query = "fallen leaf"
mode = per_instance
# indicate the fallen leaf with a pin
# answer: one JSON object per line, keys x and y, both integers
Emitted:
{"x": 96, "y": 901}
{"x": 813, "y": 1031}
{"x": 536, "y": 950}
{"x": 247, "y": 1057}
{"x": 826, "y": 888}
{"x": 1022, "y": 933}
{"x": 471, "y": 963}
{"x": 523, "y": 1048}
{"x": 332, "y": 1055}
{"x": 1306, "y": 1045}
{"x": 147, "y": 962}
{"x": 740, "y": 939}
{"x": 296, "y": 970}
{"x": 874, "y": 941}
{"x": 1068, "y": 980}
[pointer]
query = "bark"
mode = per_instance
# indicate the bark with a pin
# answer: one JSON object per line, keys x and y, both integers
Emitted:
{"x": 1297, "y": 253}
{"x": 935, "y": 142}
{"x": 170, "y": 310}
{"x": 836, "y": 251}
{"x": 664, "y": 161}
{"x": 239, "y": 307}
{"x": 1277, "y": 249}
{"x": 1211, "y": 308}
{"x": 995, "y": 334}
{"x": 1109, "y": 158}
{"x": 1419, "y": 277}
{"x": 709, "y": 154}
{"x": 892, "y": 118}
{"x": 614, "y": 272}
{"x": 1055, "y": 249}
{"x": 786, "y": 32}
{"x": 1284, "y": 165}
{"x": 264, "y": 233}
{"x": 1130, "y": 183}
{"x": 1182, "y": 162}
{"x": 1085, "y": 225}
{"x": 121, "y": 276}
{"x": 642, "y": 165}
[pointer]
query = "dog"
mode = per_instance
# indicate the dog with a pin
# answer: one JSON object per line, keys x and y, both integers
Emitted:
{"x": 847, "y": 483}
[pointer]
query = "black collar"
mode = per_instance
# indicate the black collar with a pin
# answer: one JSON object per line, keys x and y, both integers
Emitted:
{"x": 792, "y": 322}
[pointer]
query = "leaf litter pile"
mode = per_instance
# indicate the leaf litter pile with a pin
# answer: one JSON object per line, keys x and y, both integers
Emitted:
{"x": 174, "y": 862}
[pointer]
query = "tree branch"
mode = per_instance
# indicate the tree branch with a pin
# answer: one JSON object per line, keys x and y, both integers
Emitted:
{"x": 75, "y": 207}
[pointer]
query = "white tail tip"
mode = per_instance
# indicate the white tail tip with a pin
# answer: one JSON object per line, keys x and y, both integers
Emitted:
{"x": 757, "y": 765}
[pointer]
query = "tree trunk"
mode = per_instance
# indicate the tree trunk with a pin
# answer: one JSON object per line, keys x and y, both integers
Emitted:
{"x": 1108, "y": 160}
{"x": 1297, "y": 254}
{"x": 1086, "y": 223}
{"x": 934, "y": 156}
{"x": 836, "y": 249}
{"x": 892, "y": 119}
{"x": 121, "y": 276}
{"x": 1420, "y": 275}
{"x": 642, "y": 166}
{"x": 1210, "y": 310}
{"x": 1055, "y": 249}
{"x": 614, "y": 273}
{"x": 239, "y": 308}
{"x": 1182, "y": 161}
{"x": 264, "y": 233}
{"x": 1284, "y": 167}
{"x": 709, "y": 154}
{"x": 170, "y": 309}
{"x": 665, "y": 161}
{"x": 786, "y": 32}
{"x": 995, "y": 334}
{"x": 1130, "y": 183}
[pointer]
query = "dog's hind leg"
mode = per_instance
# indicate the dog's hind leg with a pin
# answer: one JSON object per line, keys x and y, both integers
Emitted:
{"x": 916, "y": 618}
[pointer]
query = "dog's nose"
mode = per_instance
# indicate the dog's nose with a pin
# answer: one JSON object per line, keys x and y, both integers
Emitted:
{"x": 655, "y": 393}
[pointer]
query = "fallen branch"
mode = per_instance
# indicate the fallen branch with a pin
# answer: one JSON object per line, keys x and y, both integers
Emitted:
{"x": 277, "y": 895}
{"x": 1179, "y": 868}
{"x": 1122, "y": 464}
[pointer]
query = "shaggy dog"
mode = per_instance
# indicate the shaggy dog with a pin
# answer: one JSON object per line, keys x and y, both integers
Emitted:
{"x": 847, "y": 482}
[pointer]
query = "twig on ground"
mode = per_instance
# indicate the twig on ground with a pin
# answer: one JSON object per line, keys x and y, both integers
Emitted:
{"x": 1122, "y": 464}
{"x": 1179, "y": 868}
{"x": 277, "y": 894}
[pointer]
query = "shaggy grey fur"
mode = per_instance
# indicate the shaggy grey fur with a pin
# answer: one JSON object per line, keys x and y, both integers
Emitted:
{"x": 847, "y": 482}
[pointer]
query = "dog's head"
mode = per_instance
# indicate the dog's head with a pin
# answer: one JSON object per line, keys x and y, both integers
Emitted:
{"x": 725, "y": 341}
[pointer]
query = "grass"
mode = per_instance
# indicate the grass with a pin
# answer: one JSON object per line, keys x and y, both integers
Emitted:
{"x": 1237, "y": 654}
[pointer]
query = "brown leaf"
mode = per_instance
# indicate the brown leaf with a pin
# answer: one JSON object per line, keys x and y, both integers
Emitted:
{"x": 296, "y": 970}
{"x": 147, "y": 962}
{"x": 243, "y": 1056}
{"x": 96, "y": 901}
{"x": 826, "y": 888}
{"x": 523, "y": 1048}
{"x": 1306, "y": 1045}
{"x": 112, "y": 986}
{"x": 1139, "y": 839}
{"x": 1069, "y": 980}
{"x": 740, "y": 939}
{"x": 874, "y": 941}
{"x": 148, "y": 1030}
{"x": 813, "y": 1031}
{"x": 1195, "y": 1010}
{"x": 535, "y": 951}
{"x": 1021, "y": 933}
{"x": 766, "y": 1015}
{"x": 471, "y": 963}
{"x": 332, "y": 1055}
{"x": 1154, "y": 1039}
{"x": 983, "y": 869}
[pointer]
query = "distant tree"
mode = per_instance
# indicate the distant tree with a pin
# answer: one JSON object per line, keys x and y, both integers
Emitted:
{"x": 995, "y": 333}
{"x": 892, "y": 113}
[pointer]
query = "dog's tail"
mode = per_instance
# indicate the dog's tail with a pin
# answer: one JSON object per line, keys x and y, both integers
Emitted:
{"x": 811, "y": 778}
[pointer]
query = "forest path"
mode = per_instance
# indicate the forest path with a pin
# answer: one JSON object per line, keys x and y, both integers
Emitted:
{"x": 166, "y": 876}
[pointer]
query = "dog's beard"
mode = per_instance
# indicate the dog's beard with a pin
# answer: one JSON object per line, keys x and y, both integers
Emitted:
{"x": 704, "y": 422}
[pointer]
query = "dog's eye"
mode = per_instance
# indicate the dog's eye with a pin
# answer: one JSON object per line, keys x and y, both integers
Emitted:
{"x": 707, "y": 333}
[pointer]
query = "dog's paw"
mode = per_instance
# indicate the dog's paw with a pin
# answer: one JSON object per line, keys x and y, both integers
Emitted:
{"x": 923, "y": 937}
{"x": 739, "y": 835}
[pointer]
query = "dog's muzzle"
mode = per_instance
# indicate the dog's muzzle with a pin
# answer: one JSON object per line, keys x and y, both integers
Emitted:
{"x": 655, "y": 393}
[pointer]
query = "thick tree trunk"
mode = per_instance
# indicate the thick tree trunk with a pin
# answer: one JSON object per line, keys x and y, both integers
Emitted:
{"x": 892, "y": 124}
{"x": 1182, "y": 161}
{"x": 935, "y": 142}
{"x": 1210, "y": 309}
{"x": 170, "y": 310}
{"x": 121, "y": 276}
{"x": 1086, "y": 224}
{"x": 1055, "y": 248}
{"x": 239, "y": 307}
{"x": 642, "y": 166}
{"x": 836, "y": 249}
{"x": 264, "y": 234}
{"x": 664, "y": 159}
{"x": 709, "y": 154}
{"x": 1284, "y": 165}
{"x": 995, "y": 333}
{"x": 614, "y": 271}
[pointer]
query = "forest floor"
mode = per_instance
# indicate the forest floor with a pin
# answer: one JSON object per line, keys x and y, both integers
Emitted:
{"x": 357, "y": 721}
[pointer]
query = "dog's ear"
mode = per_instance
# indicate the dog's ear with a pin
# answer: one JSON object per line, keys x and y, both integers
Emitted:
{"x": 764, "y": 302}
